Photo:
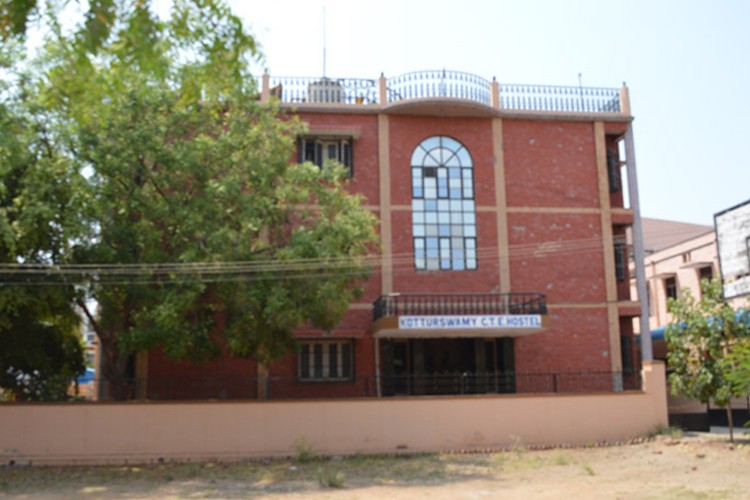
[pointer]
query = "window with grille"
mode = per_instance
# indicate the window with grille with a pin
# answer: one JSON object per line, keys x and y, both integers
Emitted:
{"x": 319, "y": 150}
{"x": 621, "y": 262}
{"x": 670, "y": 288}
{"x": 443, "y": 211}
{"x": 326, "y": 360}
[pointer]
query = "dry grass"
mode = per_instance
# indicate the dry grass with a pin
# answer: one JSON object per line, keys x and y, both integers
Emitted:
{"x": 690, "y": 466}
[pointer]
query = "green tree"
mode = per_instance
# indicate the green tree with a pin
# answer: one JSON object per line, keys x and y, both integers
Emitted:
{"x": 40, "y": 349}
{"x": 201, "y": 235}
{"x": 701, "y": 339}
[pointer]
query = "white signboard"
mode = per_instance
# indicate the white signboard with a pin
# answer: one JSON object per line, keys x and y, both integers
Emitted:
{"x": 470, "y": 322}
{"x": 733, "y": 239}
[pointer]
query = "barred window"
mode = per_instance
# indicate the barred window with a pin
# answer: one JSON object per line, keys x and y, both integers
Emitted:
{"x": 443, "y": 211}
{"x": 621, "y": 262}
{"x": 318, "y": 150}
{"x": 323, "y": 360}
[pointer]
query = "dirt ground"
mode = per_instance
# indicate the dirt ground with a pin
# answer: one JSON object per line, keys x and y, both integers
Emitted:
{"x": 691, "y": 466}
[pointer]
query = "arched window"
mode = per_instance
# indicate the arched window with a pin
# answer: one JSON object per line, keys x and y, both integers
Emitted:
{"x": 443, "y": 214}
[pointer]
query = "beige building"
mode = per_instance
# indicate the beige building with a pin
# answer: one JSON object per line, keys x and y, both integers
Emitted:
{"x": 678, "y": 255}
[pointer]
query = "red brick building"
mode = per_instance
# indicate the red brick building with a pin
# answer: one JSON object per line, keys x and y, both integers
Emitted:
{"x": 502, "y": 215}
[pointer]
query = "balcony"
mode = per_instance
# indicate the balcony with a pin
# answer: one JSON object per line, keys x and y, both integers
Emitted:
{"x": 435, "y": 315}
{"x": 445, "y": 85}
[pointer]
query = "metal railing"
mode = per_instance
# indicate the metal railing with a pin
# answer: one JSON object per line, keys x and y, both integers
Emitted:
{"x": 175, "y": 388}
{"x": 439, "y": 83}
{"x": 559, "y": 98}
{"x": 325, "y": 90}
{"x": 432, "y": 304}
{"x": 446, "y": 84}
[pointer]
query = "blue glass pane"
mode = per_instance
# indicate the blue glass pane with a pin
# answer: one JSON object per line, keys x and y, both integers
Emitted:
{"x": 464, "y": 157}
{"x": 443, "y": 206}
{"x": 454, "y": 173}
{"x": 417, "y": 205}
{"x": 431, "y": 161}
{"x": 418, "y": 230}
{"x": 455, "y": 194}
{"x": 431, "y": 142}
{"x": 452, "y": 161}
{"x": 417, "y": 158}
{"x": 417, "y": 217}
{"x": 444, "y": 230}
{"x": 432, "y": 253}
{"x": 432, "y": 244}
{"x": 470, "y": 230}
{"x": 417, "y": 192}
{"x": 431, "y": 217}
{"x": 445, "y": 264}
{"x": 458, "y": 264}
{"x": 451, "y": 143}
{"x": 444, "y": 217}
{"x": 431, "y": 205}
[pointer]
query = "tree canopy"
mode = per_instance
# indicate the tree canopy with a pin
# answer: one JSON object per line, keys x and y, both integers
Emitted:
{"x": 700, "y": 340}
{"x": 193, "y": 231}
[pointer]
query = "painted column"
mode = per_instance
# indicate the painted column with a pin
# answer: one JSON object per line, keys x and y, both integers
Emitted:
{"x": 608, "y": 248}
{"x": 502, "y": 205}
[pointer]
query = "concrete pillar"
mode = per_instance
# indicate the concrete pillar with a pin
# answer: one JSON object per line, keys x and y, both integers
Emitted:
{"x": 382, "y": 90}
{"x": 639, "y": 254}
{"x": 624, "y": 100}
{"x": 495, "y": 94}
{"x": 265, "y": 91}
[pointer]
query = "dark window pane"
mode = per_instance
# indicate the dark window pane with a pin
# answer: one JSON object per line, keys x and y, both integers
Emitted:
{"x": 304, "y": 361}
{"x": 333, "y": 360}
{"x": 318, "y": 360}
{"x": 346, "y": 360}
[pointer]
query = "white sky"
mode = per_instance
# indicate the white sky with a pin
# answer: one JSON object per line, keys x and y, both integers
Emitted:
{"x": 687, "y": 65}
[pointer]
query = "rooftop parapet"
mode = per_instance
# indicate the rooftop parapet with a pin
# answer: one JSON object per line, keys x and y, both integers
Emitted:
{"x": 444, "y": 84}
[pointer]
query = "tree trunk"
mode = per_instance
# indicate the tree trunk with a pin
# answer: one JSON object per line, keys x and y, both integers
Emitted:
{"x": 730, "y": 421}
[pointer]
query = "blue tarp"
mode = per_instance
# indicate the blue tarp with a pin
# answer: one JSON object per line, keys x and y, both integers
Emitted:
{"x": 87, "y": 377}
{"x": 658, "y": 333}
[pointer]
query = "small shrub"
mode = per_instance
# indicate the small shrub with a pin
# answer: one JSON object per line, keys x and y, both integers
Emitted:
{"x": 304, "y": 451}
{"x": 662, "y": 430}
{"x": 588, "y": 469}
{"x": 330, "y": 479}
{"x": 562, "y": 458}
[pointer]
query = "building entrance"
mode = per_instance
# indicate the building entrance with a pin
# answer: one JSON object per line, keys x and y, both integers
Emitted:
{"x": 447, "y": 366}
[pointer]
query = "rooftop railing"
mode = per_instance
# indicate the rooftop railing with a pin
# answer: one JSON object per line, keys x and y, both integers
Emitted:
{"x": 444, "y": 84}
{"x": 325, "y": 90}
{"x": 557, "y": 98}
{"x": 433, "y": 304}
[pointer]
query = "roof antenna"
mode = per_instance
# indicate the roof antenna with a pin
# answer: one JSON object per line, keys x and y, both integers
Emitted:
{"x": 324, "y": 41}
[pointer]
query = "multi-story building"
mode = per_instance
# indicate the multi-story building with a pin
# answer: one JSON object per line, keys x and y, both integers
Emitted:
{"x": 678, "y": 256}
{"x": 502, "y": 215}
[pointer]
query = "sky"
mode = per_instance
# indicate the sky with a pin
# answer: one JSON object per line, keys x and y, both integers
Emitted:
{"x": 686, "y": 64}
